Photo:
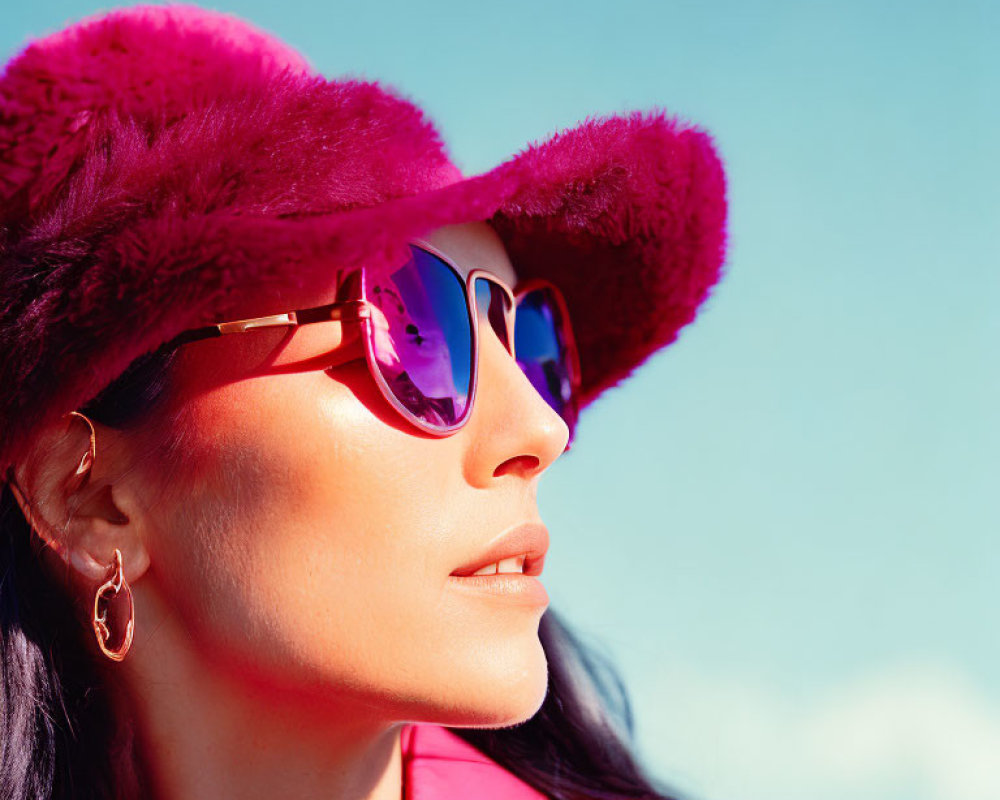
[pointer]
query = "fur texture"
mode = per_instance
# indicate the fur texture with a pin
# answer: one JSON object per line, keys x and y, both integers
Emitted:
{"x": 157, "y": 163}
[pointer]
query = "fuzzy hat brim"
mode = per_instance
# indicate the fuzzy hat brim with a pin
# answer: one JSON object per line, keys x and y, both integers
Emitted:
{"x": 625, "y": 213}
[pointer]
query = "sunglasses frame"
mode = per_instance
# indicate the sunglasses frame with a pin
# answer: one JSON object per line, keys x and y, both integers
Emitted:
{"x": 469, "y": 284}
{"x": 361, "y": 310}
{"x": 568, "y": 338}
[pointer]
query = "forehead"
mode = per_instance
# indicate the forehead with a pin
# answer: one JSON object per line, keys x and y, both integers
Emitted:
{"x": 474, "y": 245}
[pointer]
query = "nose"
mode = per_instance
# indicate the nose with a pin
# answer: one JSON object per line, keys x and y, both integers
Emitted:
{"x": 512, "y": 430}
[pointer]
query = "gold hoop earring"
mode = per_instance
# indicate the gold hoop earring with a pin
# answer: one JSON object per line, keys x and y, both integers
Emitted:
{"x": 113, "y": 587}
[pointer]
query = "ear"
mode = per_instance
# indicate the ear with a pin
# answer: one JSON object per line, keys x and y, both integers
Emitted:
{"x": 72, "y": 490}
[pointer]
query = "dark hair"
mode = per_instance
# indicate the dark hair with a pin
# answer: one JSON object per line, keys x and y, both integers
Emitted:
{"x": 62, "y": 736}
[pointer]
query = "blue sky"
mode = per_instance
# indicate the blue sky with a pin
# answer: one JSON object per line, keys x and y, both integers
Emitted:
{"x": 784, "y": 528}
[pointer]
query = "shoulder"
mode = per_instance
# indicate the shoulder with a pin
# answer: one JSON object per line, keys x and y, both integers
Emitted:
{"x": 439, "y": 765}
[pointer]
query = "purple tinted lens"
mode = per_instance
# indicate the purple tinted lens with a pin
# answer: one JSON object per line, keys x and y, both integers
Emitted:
{"x": 422, "y": 339}
{"x": 542, "y": 352}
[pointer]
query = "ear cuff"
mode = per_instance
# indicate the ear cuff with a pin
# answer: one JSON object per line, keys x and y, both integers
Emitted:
{"x": 87, "y": 461}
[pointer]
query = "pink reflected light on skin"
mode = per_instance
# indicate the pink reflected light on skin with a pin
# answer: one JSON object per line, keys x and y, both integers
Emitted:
{"x": 293, "y": 582}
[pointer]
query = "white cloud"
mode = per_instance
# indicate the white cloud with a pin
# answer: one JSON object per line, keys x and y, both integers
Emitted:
{"x": 916, "y": 731}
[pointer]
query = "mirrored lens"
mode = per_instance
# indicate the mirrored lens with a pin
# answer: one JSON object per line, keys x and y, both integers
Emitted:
{"x": 543, "y": 354}
{"x": 421, "y": 337}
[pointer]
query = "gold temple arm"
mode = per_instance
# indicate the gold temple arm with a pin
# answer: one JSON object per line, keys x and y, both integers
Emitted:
{"x": 345, "y": 311}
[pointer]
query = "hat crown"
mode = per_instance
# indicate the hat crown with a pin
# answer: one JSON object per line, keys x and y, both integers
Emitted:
{"x": 152, "y": 66}
{"x": 149, "y": 63}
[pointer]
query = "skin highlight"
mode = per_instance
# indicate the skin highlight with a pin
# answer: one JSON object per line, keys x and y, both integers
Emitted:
{"x": 291, "y": 584}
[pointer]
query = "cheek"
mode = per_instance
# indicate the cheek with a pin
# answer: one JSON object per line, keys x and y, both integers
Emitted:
{"x": 316, "y": 549}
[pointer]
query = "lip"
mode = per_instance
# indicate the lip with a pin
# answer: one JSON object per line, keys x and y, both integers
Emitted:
{"x": 529, "y": 539}
{"x": 508, "y": 588}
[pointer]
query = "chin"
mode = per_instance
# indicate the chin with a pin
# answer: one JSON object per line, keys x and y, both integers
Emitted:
{"x": 505, "y": 692}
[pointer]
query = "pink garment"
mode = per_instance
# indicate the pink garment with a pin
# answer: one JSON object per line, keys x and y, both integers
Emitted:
{"x": 438, "y": 765}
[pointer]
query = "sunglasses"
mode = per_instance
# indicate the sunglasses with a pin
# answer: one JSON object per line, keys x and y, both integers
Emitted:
{"x": 422, "y": 323}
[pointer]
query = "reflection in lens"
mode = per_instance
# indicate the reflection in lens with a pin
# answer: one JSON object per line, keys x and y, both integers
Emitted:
{"x": 421, "y": 337}
{"x": 541, "y": 352}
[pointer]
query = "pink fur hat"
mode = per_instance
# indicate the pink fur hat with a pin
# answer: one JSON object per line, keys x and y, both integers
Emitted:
{"x": 159, "y": 162}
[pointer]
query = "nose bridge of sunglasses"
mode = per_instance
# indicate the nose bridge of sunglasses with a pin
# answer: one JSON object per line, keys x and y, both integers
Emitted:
{"x": 493, "y": 306}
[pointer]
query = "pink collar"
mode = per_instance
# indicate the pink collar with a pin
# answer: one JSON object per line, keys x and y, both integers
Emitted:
{"x": 439, "y": 765}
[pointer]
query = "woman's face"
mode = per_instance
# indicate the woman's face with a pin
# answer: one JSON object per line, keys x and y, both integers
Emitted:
{"x": 313, "y": 541}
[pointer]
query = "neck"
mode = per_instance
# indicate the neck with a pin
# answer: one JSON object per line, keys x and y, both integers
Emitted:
{"x": 207, "y": 731}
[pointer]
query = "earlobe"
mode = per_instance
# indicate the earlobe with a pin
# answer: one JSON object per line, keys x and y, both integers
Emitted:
{"x": 91, "y": 553}
{"x": 83, "y": 561}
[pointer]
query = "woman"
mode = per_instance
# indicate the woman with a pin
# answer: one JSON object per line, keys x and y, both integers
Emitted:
{"x": 275, "y": 564}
